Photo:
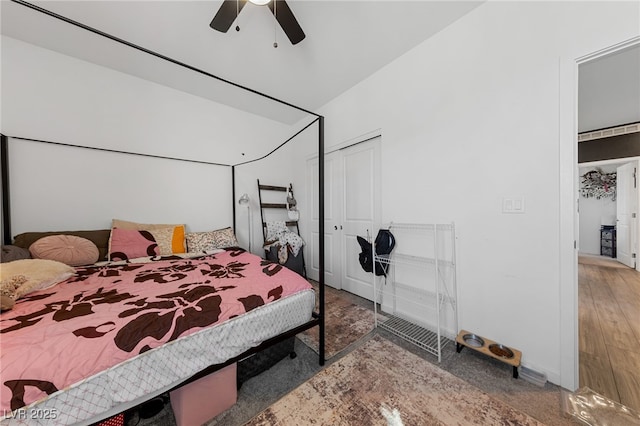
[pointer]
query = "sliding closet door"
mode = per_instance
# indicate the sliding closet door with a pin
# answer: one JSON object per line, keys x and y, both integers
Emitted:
{"x": 360, "y": 188}
{"x": 332, "y": 264}
{"x": 352, "y": 208}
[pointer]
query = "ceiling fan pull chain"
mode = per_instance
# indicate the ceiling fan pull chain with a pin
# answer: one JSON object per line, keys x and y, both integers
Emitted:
{"x": 237, "y": 13}
{"x": 275, "y": 24}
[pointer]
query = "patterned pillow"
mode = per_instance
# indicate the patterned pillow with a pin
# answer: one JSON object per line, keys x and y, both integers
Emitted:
{"x": 129, "y": 244}
{"x": 69, "y": 249}
{"x": 164, "y": 238}
{"x": 170, "y": 238}
{"x": 203, "y": 241}
{"x": 275, "y": 230}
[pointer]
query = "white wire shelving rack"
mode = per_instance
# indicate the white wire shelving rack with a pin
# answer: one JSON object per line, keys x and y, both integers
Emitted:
{"x": 434, "y": 286}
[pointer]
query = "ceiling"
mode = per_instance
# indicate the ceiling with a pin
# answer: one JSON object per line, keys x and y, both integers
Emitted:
{"x": 609, "y": 90}
{"x": 346, "y": 41}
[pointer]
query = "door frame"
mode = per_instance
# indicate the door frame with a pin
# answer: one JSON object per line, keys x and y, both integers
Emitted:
{"x": 568, "y": 209}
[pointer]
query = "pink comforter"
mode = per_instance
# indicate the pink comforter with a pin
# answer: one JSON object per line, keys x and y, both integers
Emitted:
{"x": 105, "y": 315}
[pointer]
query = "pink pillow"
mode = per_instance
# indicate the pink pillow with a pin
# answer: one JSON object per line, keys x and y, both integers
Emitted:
{"x": 68, "y": 249}
{"x": 129, "y": 244}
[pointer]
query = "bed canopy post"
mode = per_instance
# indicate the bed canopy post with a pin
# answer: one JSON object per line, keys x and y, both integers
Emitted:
{"x": 321, "y": 232}
{"x": 233, "y": 196}
{"x": 6, "y": 220}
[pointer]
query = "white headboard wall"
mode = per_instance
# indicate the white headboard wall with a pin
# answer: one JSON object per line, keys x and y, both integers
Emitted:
{"x": 57, "y": 187}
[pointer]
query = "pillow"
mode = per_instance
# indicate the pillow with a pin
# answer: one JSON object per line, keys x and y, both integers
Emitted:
{"x": 39, "y": 273}
{"x": 131, "y": 243}
{"x": 169, "y": 241}
{"x": 8, "y": 290}
{"x": 99, "y": 237}
{"x": 203, "y": 241}
{"x": 10, "y": 253}
{"x": 69, "y": 249}
{"x": 6, "y": 303}
{"x": 9, "y": 286}
{"x": 275, "y": 230}
{"x": 164, "y": 239}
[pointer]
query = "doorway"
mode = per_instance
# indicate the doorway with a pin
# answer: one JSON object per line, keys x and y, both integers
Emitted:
{"x": 352, "y": 209}
{"x": 608, "y": 285}
{"x": 609, "y": 202}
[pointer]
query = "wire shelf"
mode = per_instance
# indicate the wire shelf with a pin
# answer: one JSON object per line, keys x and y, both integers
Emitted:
{"x": 407, "y": 259}
{"x": 439, "y": 284}
{"x": 419, "y": 336}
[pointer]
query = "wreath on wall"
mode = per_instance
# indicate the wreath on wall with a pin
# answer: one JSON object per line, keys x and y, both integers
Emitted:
{"x": 598, "y": 184}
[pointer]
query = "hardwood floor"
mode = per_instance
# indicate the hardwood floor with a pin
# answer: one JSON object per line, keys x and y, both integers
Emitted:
{"x": 609, "y": 327}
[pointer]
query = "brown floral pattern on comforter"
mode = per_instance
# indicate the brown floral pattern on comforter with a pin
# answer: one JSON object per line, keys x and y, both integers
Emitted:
{"x": 108, "y": 314}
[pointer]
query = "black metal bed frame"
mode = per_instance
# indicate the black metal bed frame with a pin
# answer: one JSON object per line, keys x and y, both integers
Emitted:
{"x": 318, "y": 318}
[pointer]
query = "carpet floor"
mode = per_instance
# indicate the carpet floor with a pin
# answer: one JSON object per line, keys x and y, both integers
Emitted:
{"x": 378, "y": 376}
{"x": 346, "y": 322}
{"x": 485, "y": 374}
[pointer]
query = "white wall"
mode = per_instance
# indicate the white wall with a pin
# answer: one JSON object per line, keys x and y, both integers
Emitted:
{"x": 281, "y": 168}
{"x": 594, "y": 213}
{"x": 47, "y": 95}
{"x": 474, "y": 115}
{"x": 50, "y": 96}
{"x": 57, "y": 188}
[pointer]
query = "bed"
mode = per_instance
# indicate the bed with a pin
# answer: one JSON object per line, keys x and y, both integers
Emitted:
{"x": 70, "y": 402}
{"x": 118, "y": 333}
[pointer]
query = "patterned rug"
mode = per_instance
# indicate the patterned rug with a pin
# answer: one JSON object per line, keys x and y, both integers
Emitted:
{"x": 345, "y": 323}
{"x": 378, "y": 374}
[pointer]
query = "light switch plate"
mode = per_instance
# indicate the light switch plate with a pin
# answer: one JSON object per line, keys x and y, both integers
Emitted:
{"x": 513, "y": 205}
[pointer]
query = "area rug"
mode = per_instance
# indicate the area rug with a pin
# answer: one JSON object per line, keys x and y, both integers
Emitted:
{"x": 345, "y": 323}
{"x": 380, "y": 374}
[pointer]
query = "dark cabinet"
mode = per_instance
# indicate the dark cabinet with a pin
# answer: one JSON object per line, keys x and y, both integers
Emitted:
{"x": 608, "y": 241}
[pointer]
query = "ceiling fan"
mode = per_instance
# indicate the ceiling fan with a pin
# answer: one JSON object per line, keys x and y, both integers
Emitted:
{"x": 230, "y": 9}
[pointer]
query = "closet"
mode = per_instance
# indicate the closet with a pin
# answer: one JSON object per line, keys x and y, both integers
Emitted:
{"x": 352, "y": 207}
{"x": 417, "y": 299}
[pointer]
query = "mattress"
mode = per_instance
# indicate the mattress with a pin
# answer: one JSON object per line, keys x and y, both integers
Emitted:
{"x": 156, "y": 367}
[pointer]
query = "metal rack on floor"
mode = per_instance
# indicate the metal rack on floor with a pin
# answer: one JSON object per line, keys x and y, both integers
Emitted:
{"x": 416, "y": 300}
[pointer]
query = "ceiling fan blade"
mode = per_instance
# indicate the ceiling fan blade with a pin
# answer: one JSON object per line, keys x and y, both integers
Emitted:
{"x": 227, "y": 14}
{"x": 287, "y": 20}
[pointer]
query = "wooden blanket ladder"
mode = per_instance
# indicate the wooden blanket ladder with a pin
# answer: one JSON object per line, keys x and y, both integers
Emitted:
{"x": 281, "y": 207}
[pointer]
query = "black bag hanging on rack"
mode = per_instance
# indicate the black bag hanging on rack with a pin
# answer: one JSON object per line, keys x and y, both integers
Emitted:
{"x": 366, "y": 255}
{"x": 384, "y": 244}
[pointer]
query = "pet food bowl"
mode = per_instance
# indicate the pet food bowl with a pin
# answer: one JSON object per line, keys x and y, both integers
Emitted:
{"x": 473, "y": 340}
{"x": 501, "y": 350}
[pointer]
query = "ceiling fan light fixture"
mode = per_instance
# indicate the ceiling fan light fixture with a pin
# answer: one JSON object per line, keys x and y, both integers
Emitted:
{"x": 230, "y": 9}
